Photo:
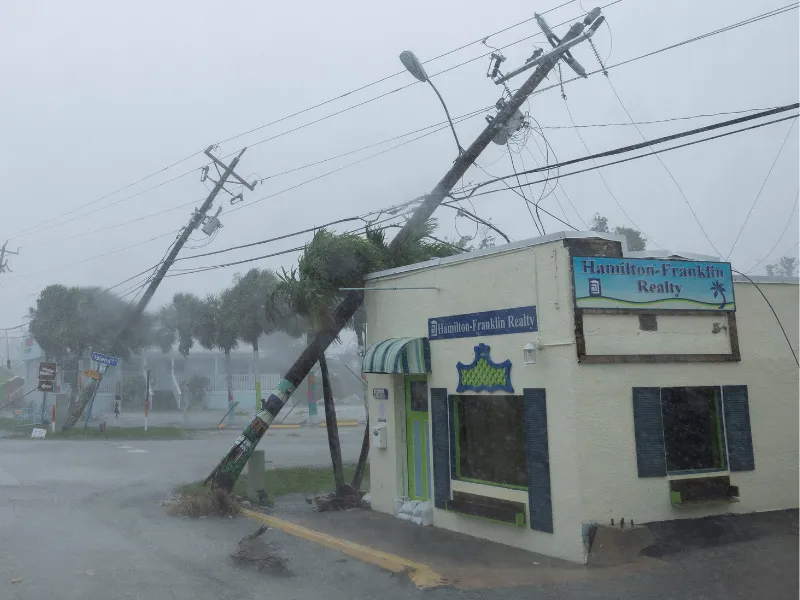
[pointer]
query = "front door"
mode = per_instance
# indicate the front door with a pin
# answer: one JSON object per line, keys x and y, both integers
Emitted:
{"x": 417, "y": 437}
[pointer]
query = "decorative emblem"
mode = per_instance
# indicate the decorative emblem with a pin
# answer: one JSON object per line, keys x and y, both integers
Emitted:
{"x": 483, "y": 375}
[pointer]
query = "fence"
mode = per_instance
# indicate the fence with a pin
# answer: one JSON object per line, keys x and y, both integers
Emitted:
{"x": 244, "y": 382}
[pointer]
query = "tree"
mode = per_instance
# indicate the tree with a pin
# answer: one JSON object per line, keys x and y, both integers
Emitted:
{"x": 216, "y": 328}
{"x": 248, "y": 298}
{"x": 787, "y": 266}
{"x": 635, "y": 240}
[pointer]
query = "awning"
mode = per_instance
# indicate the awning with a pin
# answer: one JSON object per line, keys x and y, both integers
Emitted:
{"x": 398, "y": 355}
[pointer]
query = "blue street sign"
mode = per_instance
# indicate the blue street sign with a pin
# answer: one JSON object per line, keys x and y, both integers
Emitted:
{"x": 105, "y": 359}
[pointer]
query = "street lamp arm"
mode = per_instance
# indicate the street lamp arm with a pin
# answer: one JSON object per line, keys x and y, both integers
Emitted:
{"x": 449, "y": 120}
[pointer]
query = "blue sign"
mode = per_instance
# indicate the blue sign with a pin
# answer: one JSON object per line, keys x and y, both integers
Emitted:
{"x": 493, "y": 322}
{"x": 105, "y": 359}
{"x": 652, "y": 284}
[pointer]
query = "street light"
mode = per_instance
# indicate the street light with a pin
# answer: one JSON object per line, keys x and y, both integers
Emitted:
{"x": 414, "y": 66}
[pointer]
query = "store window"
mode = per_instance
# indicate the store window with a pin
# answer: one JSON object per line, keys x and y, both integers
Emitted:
{"x": 490, "y": 440}
{"x": 693, "y": 429}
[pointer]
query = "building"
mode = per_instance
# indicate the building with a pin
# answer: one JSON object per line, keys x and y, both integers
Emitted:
{"x": 537, "y": 389}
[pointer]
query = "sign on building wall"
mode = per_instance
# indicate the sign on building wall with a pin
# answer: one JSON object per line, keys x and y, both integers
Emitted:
{"x": 521, "y": 319}
{"x": 652, "y": 284}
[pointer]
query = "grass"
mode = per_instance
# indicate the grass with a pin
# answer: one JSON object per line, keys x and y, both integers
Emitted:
{"x": 307, "y": 480}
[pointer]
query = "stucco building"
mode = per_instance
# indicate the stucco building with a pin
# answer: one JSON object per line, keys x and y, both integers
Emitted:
{"x": 535, "y": 389}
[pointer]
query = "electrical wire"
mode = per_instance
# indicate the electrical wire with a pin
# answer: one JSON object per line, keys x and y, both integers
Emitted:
{"x": 780, "y": 237}
{"x": 605, "y": 183}
{"x": 761, "y": 189}
{"x": 661, "y": 140}
{"x": 539, "y": 224}
{"x": 59, "y": 218}
{"x": 791, "y": 348}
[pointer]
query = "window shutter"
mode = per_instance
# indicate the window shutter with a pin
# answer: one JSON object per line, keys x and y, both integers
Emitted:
{"x": 540, "y": 501}
{"x": 737, "y": 428}
{"x": 441, "y": 447}
{"x": 651, "y": 459}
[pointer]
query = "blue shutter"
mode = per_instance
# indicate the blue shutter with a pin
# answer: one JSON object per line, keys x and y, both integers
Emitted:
{"x": 737, "y": 428}
{"x": 540, "y": 502}
{"x": 651, "y": 459}
{"x": 441, "y": 447}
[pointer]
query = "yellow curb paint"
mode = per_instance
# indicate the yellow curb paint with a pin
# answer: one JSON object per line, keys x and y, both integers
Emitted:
{"x": 422, "y": 575}
{"x": 352, "y": 423}
{"x": 284, "y": 426}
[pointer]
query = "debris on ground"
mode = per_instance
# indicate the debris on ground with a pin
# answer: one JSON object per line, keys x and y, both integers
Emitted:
{"x": 346, "y": 498}
{"x": 264, "y": 556}
{"x": 201, "y": 502}
{"x": 16, "y": 580}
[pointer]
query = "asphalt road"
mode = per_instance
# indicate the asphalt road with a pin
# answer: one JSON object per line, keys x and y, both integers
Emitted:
{"x": 82, "y": 520}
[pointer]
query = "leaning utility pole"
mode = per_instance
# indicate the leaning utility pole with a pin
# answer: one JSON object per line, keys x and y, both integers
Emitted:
{"x": 230, "y": 467}
{"x": 3, "y": 260}
{"x": 198, "y": 217}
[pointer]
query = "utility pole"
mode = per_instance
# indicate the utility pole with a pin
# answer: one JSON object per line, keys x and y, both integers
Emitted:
{"x": 3, "y": 260}
{"x": 198, "y": 217}
{"x": 226, "y": 473}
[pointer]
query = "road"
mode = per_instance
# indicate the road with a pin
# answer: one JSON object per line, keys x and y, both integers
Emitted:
{"x": 83, "y": 520}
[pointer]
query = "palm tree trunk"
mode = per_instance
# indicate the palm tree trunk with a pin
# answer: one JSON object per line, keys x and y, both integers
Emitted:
{"x": 229, "y": 383}
{"x": 362, "y": 457}
{"x": 331, "y": 424}
{"x": 256, "y": 380}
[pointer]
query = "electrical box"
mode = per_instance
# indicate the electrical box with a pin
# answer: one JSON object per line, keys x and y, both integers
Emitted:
{"x": 379, "y": 435}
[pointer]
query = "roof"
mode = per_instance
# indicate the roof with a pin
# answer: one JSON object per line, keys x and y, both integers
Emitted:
{"x": 512, "y": 247}
{"x": 766, "y": 279}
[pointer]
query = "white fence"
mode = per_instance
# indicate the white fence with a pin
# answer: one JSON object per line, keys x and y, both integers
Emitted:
{"x": 269, "y": 381}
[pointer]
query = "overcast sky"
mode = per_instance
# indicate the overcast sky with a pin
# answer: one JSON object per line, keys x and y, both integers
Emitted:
{"x": 98, "y": 94}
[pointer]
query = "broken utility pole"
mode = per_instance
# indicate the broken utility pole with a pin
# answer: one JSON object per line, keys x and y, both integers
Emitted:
{"x": 3, "y": 260}
{"x": 198, "y": 218}
{"x": 226, "y": 473}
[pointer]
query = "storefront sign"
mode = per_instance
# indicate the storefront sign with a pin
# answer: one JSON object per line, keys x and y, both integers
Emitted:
{"x": 493, "y": 322}
{"x": 652, "y": 284}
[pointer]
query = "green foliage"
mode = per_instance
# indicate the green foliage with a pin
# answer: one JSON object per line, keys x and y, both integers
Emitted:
{"x": 186, "y": 313}
{"x": 786, "y": 267}
{"x": 216, "y": 324}
{"x": 247, "y": 300}
{"x": 635, "y": 240}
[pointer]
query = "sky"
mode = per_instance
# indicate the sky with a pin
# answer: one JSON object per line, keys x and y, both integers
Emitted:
{"x": 98, "y": 95}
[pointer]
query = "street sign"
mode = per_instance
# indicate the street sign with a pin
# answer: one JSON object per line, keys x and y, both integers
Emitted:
{"x": 105, "y": 359}
{"x": 91, "y": 374}
{"x": 45, "y": 386}
{"x": 47, "y": 371}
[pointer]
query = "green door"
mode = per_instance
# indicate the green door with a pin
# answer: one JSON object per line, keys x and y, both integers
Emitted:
{"x": 419, "y": 468}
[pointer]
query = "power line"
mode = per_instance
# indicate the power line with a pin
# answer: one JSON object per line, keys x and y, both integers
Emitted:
{"x": 780, "y": 237}
{"x": 539, "y": 224}
{"x": 660, "y": 140}
{"x": 791, "y": 348}
{"x": 624, "y": 160}
{"x": 761, "y": 189}
{"x": 58, "y": 219}
{"x": 603, "y": 179}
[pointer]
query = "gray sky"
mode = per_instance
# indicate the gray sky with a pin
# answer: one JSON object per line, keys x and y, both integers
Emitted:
{"x": 98, "y": 94}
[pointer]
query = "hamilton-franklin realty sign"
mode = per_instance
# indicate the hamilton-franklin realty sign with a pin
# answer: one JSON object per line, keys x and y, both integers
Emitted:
{"x": 493, "y": 322}
{"x": 653, "y": 284}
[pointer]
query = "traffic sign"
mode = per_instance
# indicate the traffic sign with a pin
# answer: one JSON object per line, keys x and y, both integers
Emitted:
{"x": 105, "y": 359}
{"x": 91, "y": 374}
{"x": 45, "y": 386}
{"x": 47, "y": 371}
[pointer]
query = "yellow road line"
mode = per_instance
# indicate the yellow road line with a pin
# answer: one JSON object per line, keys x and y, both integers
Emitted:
{"x": 422, "y": 575}
{"x": 345, "y": 423}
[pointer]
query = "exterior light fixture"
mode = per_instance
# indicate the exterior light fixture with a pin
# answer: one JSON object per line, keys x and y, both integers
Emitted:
{"x": 529, "y": 353}
{"x": 414, "y": 66}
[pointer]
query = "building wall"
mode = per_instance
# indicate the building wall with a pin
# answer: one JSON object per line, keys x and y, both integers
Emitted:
{"x": 610, "y": 487}
{"x": 521, "y": 277}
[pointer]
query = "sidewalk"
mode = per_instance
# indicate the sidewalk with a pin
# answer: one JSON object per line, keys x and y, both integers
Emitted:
{"x": 464, "y": 562}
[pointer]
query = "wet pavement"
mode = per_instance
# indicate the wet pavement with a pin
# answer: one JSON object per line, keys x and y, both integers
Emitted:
{"x": 83, "y": 520}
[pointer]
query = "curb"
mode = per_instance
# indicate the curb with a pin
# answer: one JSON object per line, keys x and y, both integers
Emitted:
{"x": 343, "y": 423}
{"x": 284, "y": 426}
{"x": 421, "y": 575}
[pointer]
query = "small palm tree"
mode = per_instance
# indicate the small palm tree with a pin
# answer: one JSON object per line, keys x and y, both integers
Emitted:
{"x": 719, "y": 290}
{"x": 217, "y": 329}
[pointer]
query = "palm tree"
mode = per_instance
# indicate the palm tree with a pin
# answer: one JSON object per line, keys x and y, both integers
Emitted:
{"x": 248, "y": 298}
{"x": 719, "y": 289}
{"x": 217, "y": 329}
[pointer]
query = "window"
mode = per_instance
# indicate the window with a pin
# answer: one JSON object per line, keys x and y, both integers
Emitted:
{"x": 418, "y": 395}
{"x": 693, "y": 430}
{"x": 490, "y": 440}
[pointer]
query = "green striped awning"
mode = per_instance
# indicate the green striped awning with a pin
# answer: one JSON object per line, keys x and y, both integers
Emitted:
{"x": 398, "y": 355}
